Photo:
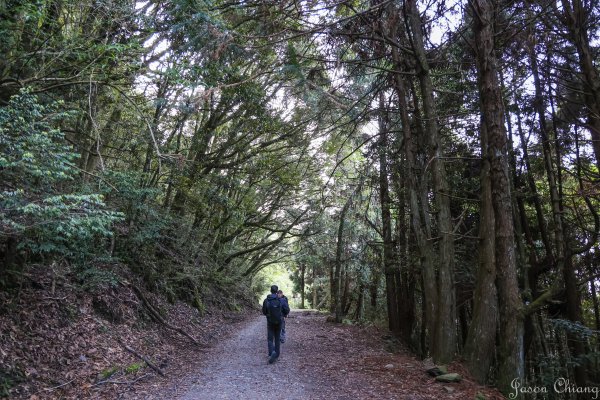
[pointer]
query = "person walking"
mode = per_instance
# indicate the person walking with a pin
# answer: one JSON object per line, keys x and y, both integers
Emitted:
{"x": 275, "y": 310}
{"x": 282, "y": 298}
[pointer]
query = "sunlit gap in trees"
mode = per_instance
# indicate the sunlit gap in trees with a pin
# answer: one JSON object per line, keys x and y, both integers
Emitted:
{"x": 275, "y": 274}
{"x": 442, "y": 25}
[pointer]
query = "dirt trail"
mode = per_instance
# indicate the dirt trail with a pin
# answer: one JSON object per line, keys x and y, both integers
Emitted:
{"x": 320, "y": 360}
{"x": 237, "y": 368}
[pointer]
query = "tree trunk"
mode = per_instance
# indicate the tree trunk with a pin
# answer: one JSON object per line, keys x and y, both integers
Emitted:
{"x": 445, "y": 340}
{"x": 314, "y": 289}
{"x": 302, "y": 292}
{"x": 563, "y": 255}
{"x": 596, "y": 307}
{"x": 360, "y": 303}
{"x": 374, "y": 284}
{"x": 10, "y": 261}
{"x": 573, "y": 304}
{"x": 346, "y": 299}
{"x": 595, "y": 304}
{"x": 481, "y": 340}
{"x": 162, "y": 89}
{"x": 336, "y": 292}
{"x": 418, "y": 211}
{"x": 392, "y": 273}
{"x": 510, "y": 351}
{"x": 406, "y": 286}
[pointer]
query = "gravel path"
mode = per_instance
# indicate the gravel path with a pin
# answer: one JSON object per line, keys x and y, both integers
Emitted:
{"x": 237, "y": 368}
{"x": 319, "y": 361}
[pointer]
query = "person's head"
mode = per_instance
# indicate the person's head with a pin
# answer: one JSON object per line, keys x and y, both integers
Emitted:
{"x": 274, "y": 289}
{"x": 280, "y": 293}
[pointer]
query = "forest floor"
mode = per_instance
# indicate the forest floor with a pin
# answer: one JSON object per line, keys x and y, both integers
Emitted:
{"x": 320, "y": 360}
{"x": 60, "y": 342}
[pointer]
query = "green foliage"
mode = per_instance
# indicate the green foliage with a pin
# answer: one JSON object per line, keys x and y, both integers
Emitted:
{"x": 138, "y": 205}
{"x": 8, "y": 379}
{"x": 33, "y": 156}
{"x": 70, "y": 312}
{"x": 93, "y": 278}
{"x": 199, "y": 304}
{"x": 37, "y": 204}
{"x": 276, "y": 274}
{"x": 107, "y": 373}
{"x": 235, "y": 307}
{"x": 133, "y": 368}
{"x": 550, "y": 369}
{"x": 68, "y": 224}
{"x": 575, "y": 328}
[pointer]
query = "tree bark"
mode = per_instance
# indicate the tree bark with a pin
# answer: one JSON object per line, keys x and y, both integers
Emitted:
{"x": 418, "y": 211}
{"x": 406, "y": 286}
{"x": 445, "y": 340}
{"x": 336, "y": 290}
{"x": 418, "y": 207}
{"x": 481, "y": 339}
{"x": 392, "y": 273}
{"x": 563, "y": 256}
{"x": 510, "y": 351}
{"x": 314, "y": 288}
{"x": 302, "y": 292}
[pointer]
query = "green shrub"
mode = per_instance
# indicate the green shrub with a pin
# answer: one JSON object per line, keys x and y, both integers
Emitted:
{"x": 133, "y": 368}
{"x": 93, "y": 278}
{"x": 40, "y": 206}
{"x": 107, "y": 373}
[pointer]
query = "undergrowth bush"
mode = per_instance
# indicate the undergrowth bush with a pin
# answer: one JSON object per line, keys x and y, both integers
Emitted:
{"x": 43, "y": 212}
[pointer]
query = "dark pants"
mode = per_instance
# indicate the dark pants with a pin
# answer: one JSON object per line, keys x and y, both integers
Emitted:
{"x": 273, "y": 337}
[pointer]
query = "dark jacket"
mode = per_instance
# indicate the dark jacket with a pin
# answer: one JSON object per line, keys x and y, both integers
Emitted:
{"x": 285, "y": 308}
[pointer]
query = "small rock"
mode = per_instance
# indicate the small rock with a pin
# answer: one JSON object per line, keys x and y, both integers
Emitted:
{"x": 449, "y": 378}
{"x": 389, "y": 366}
{"x": 435, "y": 371}
{"x": 428, "y": 363}
{"x": 449, "y": 389}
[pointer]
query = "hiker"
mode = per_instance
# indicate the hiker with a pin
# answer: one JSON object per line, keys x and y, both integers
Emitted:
{"x": 282, "y": 298}
{"x": 275, "y": 310}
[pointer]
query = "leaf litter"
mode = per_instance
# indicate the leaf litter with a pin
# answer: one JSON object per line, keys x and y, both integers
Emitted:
{"x": 60, "y": 342}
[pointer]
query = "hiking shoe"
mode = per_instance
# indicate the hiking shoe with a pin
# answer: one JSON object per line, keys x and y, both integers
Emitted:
{"x": 272, "y": 358}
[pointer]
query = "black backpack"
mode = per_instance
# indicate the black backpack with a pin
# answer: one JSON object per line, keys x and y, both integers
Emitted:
{"x": 274, "y": 311}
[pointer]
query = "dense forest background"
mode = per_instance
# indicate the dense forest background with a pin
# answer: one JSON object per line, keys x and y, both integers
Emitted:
{"x": 431, "y": 165}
